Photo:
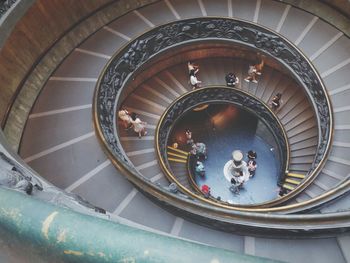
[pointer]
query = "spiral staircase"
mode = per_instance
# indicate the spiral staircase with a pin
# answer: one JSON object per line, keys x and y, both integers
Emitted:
{"x": 60, "y": 144}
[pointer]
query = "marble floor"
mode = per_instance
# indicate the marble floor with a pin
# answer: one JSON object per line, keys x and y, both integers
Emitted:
{"x": 224, "y": 128}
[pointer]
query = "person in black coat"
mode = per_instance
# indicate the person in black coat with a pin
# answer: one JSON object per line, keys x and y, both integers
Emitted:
{"x": 231, "y": 79}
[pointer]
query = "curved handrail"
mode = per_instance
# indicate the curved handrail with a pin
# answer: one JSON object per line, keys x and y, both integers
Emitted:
{"x": 213, "y": 94}
{"x": 5, "y": 6}
{"x": 122, "y": 67}
{"x": 56, "y": 234}
{"x": 337, "y": 218}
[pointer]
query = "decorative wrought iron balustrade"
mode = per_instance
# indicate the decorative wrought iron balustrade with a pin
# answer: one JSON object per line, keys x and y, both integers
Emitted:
{"x": 5, "y": 5}
{"x": 136, "y": 54}
{"x": 214, "y": 94}
{"x": 125, "y": 65}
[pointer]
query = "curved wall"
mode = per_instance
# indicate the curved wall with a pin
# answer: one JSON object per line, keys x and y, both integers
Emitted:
{"x": 19, "y": 64}
{"x": 334, "y": 12}
{"x": 39, "y": 28}
{"x": 131, "y": 1}
{"x": 17, "y": 60}
{"x": 24, "y": 74}
{"x": 342, "y": 6}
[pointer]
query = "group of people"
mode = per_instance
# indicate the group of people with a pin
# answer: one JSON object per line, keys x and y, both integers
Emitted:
{"x": 232, "y": 80}
{"x": 132, "y": 121}
{"x": 139, "y": 127}
{"x": 240, "y": 170}
{"x": 199, "y": 150}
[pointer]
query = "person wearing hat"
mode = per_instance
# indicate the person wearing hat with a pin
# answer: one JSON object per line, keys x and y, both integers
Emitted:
{"x": 238, "y": 168}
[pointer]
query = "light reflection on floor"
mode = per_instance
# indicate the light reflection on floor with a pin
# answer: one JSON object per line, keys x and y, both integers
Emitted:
{"x": 224, "y": 129}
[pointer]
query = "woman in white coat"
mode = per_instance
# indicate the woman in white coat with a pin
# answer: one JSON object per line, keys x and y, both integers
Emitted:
{"x": 138, "y": 125}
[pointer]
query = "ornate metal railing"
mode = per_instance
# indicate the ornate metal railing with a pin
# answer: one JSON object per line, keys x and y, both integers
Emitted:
{"x": 138, "y": 52}
{"x": 190, "y": 168}
{"x": 211, "y": 95}
{"x": 308, "y": 224}
{"x": 5, "y": 5}
{"x": 124, "y": 66}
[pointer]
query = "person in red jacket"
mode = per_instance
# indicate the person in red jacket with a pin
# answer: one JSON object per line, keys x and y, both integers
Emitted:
{"x": 206, "y": 190}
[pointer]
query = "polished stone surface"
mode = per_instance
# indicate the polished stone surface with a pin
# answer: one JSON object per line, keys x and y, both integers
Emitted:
{"x": 224, "y": 129}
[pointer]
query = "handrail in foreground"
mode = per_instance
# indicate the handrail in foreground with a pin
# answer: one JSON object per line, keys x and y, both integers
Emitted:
{"x": 45, "y": 231}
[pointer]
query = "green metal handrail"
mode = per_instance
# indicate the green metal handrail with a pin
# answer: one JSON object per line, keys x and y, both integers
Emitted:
{"x": 62, "y": 235}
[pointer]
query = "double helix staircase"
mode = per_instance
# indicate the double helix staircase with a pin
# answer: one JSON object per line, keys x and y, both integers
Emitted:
{"x": 171, "y": 83}
{"x": 60, "y": 144}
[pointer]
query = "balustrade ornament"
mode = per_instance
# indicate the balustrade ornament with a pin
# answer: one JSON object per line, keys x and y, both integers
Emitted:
{"x": 221, "y": 95}
{"x": 5, "y": 5}
{"x": 134, "y": 55}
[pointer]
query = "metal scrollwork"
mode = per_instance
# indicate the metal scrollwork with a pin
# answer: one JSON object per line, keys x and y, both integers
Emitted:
{"x": 133, "y": 56}
{"x": 5, "y": 5}
{"x": 228, "y": 95}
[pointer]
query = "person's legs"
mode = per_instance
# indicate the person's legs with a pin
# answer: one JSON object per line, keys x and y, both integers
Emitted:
{"x": 259, "y": 67}
{"x": 254, "y": 78}
{"x": 143, "y": 132}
